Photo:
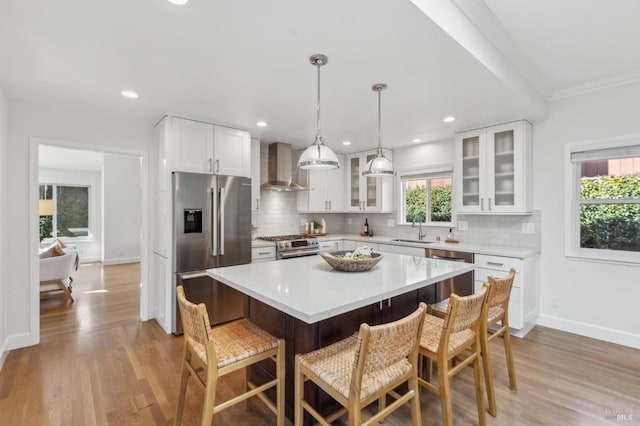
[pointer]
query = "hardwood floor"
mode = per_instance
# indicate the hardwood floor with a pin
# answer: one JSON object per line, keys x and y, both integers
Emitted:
{"x": 98, "y": 364}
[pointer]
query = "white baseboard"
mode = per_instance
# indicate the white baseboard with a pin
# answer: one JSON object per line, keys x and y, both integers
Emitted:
{"x": 121, "y": 260}
{"x": 90, "y": 259}
{"x": 4, "y": 352}
{"x": 589, "y": 330}
{"x": 22, "y": 340}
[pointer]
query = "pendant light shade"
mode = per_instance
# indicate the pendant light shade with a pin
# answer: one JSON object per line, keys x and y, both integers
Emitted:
{"x": 380, "y": 165}
{"x": 318, "y": 156}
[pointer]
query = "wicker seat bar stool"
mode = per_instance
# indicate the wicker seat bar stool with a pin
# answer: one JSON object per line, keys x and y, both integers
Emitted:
{"x": 457, "y": 335}
{"x": 210, "y": 353}
{"x": 365, "y": 368}
{"x": 497, "y": 307}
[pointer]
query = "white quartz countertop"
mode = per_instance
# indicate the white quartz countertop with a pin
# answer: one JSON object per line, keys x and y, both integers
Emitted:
{"x": 308, "y": 288}
{"x": 489, "y": 249}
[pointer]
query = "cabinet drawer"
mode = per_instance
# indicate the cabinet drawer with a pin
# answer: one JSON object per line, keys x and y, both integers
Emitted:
{"x": 329, "y": 245}
{"x": 482, "y": 275}
{"x": 263, "y": 253}
{"x": 411, "y": 251}
{"x": 497, "y": 263}
{"x": 352, "y": 245}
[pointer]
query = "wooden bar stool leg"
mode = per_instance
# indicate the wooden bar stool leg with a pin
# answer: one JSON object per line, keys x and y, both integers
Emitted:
{"x": 299, "y": 394}
{"x": 445, "y": 392}
{"x": 382, "y": 403}
{"x": 280, "y": 386}
{"x": 209, "y": 397}
{"x": 415, "y": 401}
{"x": 488, "y": 375}
{"x": 183, "y": 386}
{"x": 509, "y": 356}
{"x": 482, "y": 418}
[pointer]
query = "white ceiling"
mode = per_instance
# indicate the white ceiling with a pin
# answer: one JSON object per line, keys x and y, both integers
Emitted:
{"x": 240, "y": 61}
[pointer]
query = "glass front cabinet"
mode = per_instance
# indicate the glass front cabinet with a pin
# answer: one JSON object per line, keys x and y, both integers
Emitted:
{"x": 367, "y": 193}
{"x": 493, "y": 170}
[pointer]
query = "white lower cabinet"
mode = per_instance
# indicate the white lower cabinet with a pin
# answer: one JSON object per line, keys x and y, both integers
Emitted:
{"x": 411, "y": 251}
{"x": 352, "y": 245}
{"x": 327, "y": 245}
{"x": 263, "y": 254}
{"x": 161, "y": 273}
{"x": 523, "y": 304}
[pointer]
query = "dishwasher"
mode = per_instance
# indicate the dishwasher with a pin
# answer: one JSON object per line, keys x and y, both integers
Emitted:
{"x": 462, "y": 285}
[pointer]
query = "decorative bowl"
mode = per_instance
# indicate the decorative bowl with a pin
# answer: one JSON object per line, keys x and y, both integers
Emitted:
{"x": 350, "y": 265}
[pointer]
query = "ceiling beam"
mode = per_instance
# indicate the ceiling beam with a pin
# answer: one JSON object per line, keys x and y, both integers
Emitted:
{"x": 464, "y": 21}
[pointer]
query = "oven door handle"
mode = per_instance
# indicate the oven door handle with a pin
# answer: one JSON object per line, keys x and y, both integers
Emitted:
{"x": 298, "y": 253}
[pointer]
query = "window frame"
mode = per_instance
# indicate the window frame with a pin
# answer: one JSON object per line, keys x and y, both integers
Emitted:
{"x": 572, "y": 177}
{"x": 90, "y": 211}
{"x": 434, "y": 172}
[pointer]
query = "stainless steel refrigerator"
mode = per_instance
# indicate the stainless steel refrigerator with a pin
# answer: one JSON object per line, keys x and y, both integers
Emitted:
{"x": 211, "y": 228}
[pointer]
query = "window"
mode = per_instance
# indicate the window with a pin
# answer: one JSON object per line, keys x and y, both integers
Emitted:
{"x": 604, "y": 213}
{"x": 426, "y": 197}
{"x": 64, "y": 211}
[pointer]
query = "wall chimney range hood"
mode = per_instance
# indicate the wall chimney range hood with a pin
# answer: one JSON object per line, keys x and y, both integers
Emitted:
{"x": 279, "y": 169}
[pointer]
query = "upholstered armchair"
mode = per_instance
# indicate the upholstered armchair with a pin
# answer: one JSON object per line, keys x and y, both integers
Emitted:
{"x": 55, "y": 273}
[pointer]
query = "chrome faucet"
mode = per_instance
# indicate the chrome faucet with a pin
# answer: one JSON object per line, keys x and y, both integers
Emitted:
{"x": 421, "y": 234}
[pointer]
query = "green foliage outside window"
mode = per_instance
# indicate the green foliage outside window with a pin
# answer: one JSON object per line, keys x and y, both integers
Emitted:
{"x": 440, "y": 204}
{"x": 610, "y": 226}
{"x": 46, "y": 226}
{"x": 72, "y": 207}
{"x": 416, "y": 204}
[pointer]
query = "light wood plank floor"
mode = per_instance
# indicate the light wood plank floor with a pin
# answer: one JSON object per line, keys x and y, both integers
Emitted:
{"x": 98, "y": 364}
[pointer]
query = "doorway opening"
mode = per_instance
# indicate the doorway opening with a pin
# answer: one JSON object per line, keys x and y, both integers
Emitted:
{"x": 96, "y": 205}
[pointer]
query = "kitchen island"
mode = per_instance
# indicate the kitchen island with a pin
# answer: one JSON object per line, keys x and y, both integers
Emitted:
{"x": 311, "y": 305}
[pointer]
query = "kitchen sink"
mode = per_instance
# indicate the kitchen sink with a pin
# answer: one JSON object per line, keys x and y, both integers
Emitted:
{"x": 401, "y": 240}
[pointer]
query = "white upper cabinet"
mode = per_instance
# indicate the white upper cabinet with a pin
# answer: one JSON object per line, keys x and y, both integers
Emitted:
{"x": 492, "y": 172}
{"x": 325, "y": 189}
{"x": 231, "y": 152}
{"x": 201, "y": 147}
{"x": 367, "y": 194}
{"x": 255, "y": 175}
{"x": 190, "y": 146}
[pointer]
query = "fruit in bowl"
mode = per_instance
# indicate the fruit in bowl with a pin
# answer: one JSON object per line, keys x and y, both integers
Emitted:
{"x": 347, "y": 261}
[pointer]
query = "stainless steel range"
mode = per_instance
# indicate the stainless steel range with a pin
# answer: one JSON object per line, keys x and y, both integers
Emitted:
{"x": 290, "y": 246}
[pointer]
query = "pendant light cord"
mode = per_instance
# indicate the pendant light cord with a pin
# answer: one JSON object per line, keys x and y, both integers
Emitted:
{"x": 379, "y": 119}
{"x": 318, "y": 106}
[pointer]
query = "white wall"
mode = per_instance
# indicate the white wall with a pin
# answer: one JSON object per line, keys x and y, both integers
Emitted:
{"x": 593, "y": 299}
{"x": 89, "y": 251}
{"x": 82, "y": 126}
{"x": 4, "y": 119}
{"x": 122, "y": 209}
{"x": 424, "y": 154}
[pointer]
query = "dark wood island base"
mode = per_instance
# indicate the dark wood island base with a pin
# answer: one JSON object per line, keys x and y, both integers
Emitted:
{"x": 301, "y": 337}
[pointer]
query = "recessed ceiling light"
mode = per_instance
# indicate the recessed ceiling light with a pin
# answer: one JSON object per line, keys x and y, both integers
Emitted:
{"x": 178, "y": 2}
{"x": 346, "y": 142}
{"x": 129, "y": 94}
{"x": 416, "y": 140}
{"x": 262, "y": 124}
{"x": 449, "y": 119}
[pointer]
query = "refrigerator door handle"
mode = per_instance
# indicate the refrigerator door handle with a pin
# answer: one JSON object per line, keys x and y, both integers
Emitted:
{"x": 221, "y": 221}
{"x": 214, "y": 228}
{"x": 192, "y": 275}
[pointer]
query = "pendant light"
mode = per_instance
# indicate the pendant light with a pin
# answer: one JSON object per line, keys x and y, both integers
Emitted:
{"x": 379, "y": 165}
{"x": 318, "y": 156}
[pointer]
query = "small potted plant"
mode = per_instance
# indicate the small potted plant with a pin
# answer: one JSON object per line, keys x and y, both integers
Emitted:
{"x": 316, "y": 228}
